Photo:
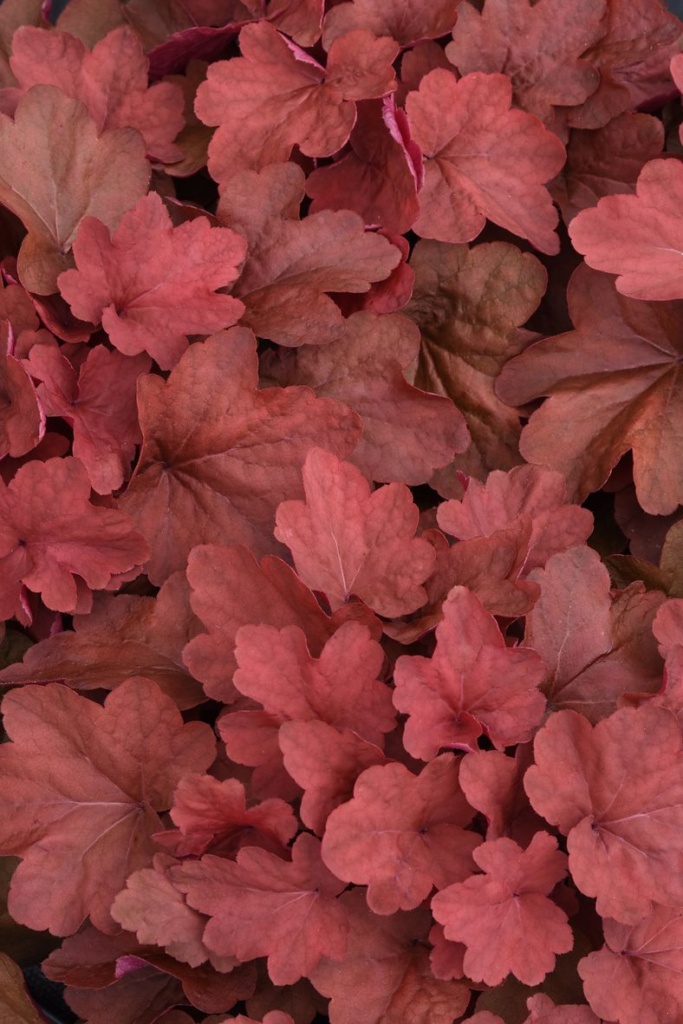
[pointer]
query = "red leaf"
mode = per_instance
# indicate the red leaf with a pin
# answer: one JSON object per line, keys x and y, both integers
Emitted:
{"x": 407, "y": 433}
{"x": 152, "y": 284}
{"x": 98, "y": 401}
{"x": 638, "y": 237}
{"x": 111, "y": 81}
{"x": 83, "y": 819}
{"x": 385, "y": 977}
{"x": 264, "y": 906}
{"x": 472, "y": 684}
{"x": 637, "y": 976}
{"x": 614, "y": 384}
{"x": 489, "y": 912}
{"x": 219, "y": 478}
{"x": 292, "y": 264}
{"x": 276, "y": 95}
{"x": 595, "y": 647}
{"x": 483, "y": 160}
{"x": 347, "y": 540}
{"x": 402, "y": 834}
{"x": 340, "y": 687}
{"x": 102, "y": 176}
{"x": 492, "y": 782}
{"x": 616, "y": 792}
{"x": 58, "y": 544}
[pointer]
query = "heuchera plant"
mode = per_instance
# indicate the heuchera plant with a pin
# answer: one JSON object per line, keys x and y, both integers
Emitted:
{"x": 341, "y": 510}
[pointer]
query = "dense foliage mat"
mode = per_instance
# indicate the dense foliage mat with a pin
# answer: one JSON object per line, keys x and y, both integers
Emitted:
{"x": 341, "y": 510}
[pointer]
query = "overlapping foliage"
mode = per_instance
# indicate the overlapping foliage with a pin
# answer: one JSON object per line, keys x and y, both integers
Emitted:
{"x": 341, "y": 529}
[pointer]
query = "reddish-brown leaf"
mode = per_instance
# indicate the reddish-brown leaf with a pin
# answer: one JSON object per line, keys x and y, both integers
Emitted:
{"x": 402, "y": 20}
{"x": 341, "y": 687}
{"x": 407, "y": 433}
{"x": 483, "y": 160}
{"x": 347, "y": 540}
{"x": 606, "y": 161}
{"x": 595, "y": 647}
{"x": 22, "y": 419}
{"x": 219, "y": 477}
{"x": 122, "y": 636}
{"x": 469, "y": 304}
{"x": 615, "y": 384}
{"x": 637, "y": 976}
{"x": 56, "y": 169}
{"x": 385, "y": 976}
{"x": 83, "y": 785}
{"x": 380, "y": 176}
{"x": 548, "y": 68}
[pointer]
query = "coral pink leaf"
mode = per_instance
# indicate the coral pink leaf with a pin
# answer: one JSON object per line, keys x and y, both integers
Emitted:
{"x": 402, "y": 834}
{"x": 341, "y": 687}
{"x": 616, "y": 792}
{"x": 350, "y": 541}
{"x": 325, "y": 762}
{"x": 473, "y": 684}
{"x": 276, "y": 96}
{"x": 151, "y": 284}
{"x": 56, "y": 169}
{"x": 231, "y": 589}
{"x": 98, "y": 401}
{"x": 385, "y": 976}
{"x": 54, "y": 540}
{"x": 219, "y": 478}
{"x": 637, "y": 976}
{"x": 84, "y": 784}
{"x": 533, "y": 491}
{"x": 110, "y": 80}
{"x": 489, "y": 912}
{"x": 638, "y": 237}
{"x": 483, "y": 160}
{"x": 212, "y": 816}
{"x": 293, "y": 264}
{"x": 262, "y": 905}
